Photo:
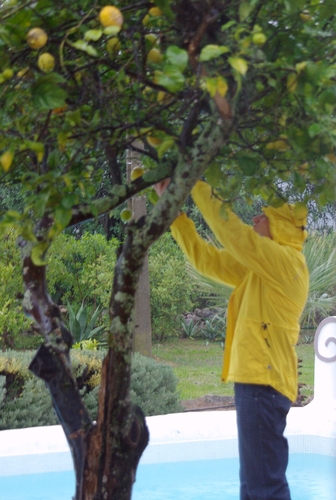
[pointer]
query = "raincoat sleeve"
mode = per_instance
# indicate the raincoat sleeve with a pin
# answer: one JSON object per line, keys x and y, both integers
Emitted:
{"x": 216, "y": 264}
{"x": 263, "y": 256}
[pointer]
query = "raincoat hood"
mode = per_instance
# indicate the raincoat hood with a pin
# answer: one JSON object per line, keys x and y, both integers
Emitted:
{"x": 288, "y": 225}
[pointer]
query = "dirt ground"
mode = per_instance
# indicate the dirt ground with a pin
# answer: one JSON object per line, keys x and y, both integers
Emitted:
{"x": 209, "y": 403}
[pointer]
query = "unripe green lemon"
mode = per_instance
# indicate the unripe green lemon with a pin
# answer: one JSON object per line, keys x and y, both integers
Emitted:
{"x": 125, "y": 215}
{"x": 8, "y": 74}
{"x": 259, "y": 39}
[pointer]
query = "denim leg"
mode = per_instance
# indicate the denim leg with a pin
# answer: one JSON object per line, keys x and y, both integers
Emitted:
{"x": 263, "y": 449}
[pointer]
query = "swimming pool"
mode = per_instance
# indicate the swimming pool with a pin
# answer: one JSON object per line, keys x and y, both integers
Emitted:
{"x": 180, "y": 442}
{"x": 311, "y": 477}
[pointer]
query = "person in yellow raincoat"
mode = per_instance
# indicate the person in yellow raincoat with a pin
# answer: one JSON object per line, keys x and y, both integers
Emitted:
{"x": 265, "y": 266}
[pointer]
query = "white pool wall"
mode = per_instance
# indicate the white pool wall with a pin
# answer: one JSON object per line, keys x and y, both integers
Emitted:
{"x": 194, "y": 435}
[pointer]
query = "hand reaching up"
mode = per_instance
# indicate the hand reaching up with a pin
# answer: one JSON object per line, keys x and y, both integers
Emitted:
{"x": 161, "y": 186}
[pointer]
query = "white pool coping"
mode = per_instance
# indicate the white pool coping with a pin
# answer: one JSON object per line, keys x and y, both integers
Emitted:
{"x": 174, "y": 437}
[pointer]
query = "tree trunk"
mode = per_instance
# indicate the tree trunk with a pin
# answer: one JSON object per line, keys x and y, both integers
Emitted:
{"x": 142, "y": 339}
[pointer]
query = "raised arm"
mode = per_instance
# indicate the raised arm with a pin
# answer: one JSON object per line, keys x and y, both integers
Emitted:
{"x": 275, "y": 263}
{"x": 216, "y": 264}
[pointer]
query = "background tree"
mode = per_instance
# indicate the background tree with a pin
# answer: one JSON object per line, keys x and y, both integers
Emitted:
{"x": 244, "y": 89}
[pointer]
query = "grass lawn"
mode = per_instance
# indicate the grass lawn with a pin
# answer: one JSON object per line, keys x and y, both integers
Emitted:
{"x": 198, "y": 364}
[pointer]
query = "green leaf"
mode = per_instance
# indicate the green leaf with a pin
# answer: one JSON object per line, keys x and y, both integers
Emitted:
{"x": 153, "y": 197}
{"x": 212, "y": 51}
{"x": 223, "y": 212}
{"x": 111, "y": 30}
{"x": 38, "y": 253}
{"x": 93, "y": 35}
{"x": 213, "y": 175}
{"x": 164, "y": 147}
{"x": 46, "y": 94}
{"x": 321, "y": 169}
{"x": 54, "y": 159}
{"x": 69, "y": 200}
{"x": 171, "y": 78}
{"x": 228, "y": 25}
{"x": 85, "y": 47}
{"x": 62, "y": 216}
{"x": 37, "y": 147}
{"x": 245, "y": 10}
{"x": 177, "y": 57}
{"x": 211, "y": 85}
{"x": 314, "y": 130}
{"x": 248, "y": 165}
{"x": 239, "y": 64}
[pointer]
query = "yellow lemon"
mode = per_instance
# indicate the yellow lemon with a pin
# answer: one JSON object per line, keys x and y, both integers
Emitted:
{"x": 279, "y": 145}
{"x": 24, "y": 73}
{"x": 6, "y": 160}
{"x": 153, "y": 141}
{"x": 162, "y": 96}
{"x": 154, "y": 55}
{"x": 46, "y": 62}
{"x": 111, "y": 16}
{"x": 37, "y": 38}
{"x": 136, "y": 173}
{"x": 155, "y": 12}
{"x": 146, "y": 20}
{"x": 305, "y": 16}
{"x": 152, "y": 39}
{"x": 331, "y": 157}
{"x": 303, "y": 168}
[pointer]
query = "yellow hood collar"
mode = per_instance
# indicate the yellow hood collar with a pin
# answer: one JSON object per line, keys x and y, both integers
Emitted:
{"x": 288, "y": 224}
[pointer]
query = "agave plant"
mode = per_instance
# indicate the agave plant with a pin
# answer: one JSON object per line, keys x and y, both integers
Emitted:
{"x": 79, "y": 326}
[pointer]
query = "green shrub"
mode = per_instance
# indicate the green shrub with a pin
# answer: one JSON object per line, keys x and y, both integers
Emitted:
{"x": 171, "y": 288}
{"x": 12, "y": 320}
{"x": 25, "y": 401}
{"x": 153, "y": 386}
{"x": 81, "y": 270}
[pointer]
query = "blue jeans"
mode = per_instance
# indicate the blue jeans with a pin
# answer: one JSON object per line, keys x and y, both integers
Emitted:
{"x": 263, "y": 449}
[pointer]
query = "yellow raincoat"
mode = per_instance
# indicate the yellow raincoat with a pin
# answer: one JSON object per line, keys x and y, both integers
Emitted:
{"x": 270, "y": 281}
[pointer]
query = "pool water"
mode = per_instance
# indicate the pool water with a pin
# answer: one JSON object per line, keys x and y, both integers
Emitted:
{"x": 311, "y": 477}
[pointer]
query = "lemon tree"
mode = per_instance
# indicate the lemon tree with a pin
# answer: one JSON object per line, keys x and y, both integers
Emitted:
{"x": 244, "y": 95}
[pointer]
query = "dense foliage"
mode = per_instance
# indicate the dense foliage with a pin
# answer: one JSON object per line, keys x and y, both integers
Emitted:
{"x": 65, "y": 130}
{"x": 81, "y": 272}
{"x": 22, "y": 396}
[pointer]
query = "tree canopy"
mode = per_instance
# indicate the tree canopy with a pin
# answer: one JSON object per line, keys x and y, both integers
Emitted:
{"x": 243, "y": 91}
{"x": 75, "y": 99}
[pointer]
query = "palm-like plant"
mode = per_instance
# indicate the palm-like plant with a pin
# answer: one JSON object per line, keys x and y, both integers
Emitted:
{"x": 320, "y": 253}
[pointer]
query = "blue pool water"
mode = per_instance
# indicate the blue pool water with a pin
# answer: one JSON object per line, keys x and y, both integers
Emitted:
{"x": 311, "y": 477}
